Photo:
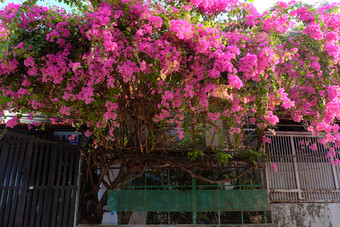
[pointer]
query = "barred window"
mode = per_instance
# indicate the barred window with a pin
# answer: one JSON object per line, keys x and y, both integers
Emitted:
{"x": 304, "y": 173}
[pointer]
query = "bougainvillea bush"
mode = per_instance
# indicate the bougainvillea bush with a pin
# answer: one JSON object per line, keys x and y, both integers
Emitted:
{"x": 140, "y": 76}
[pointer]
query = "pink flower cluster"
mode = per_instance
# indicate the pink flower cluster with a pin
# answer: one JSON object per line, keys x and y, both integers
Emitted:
{"x": 248, "y": 65}
{"x": 214, "y": 116}
{"x": 3, "y": 32}
{"x": 332, "y": 50}
{"x": 331, "y": 37}
{"x": 286, "y": 102}
{"x": 314, "y": 31}
{"x": 213, "y": 6}
{"x": 182, "y": 29}
{"x": 163, "y": 59}
{"x": 235, "y": 81}
{"x": 271, "y": 118}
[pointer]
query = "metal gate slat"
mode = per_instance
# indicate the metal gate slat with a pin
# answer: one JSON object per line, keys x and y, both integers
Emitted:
{"x": 49, "y": 193}
{"x": 52, "y": 170}
{"x": 66, "y": 220}
{"x": 38, "y": 181}
{"x": 3, "y": 160}
{"x": 36, "y": 206}
{"x": 39, "y": 208}
{"x": 8, "y": 207}
{"x": 32, "y": 209}
{"x": 16, "y": 180}
{"x": 57, "y": 183}
{"x": 8, "y": 165}
{"x": 54, "y": 208}
{"x": 68, "y": 192}
{"x": 63, "y": 183}
{"x": 44, "y": 157}
{"x": 72, "y": 204}
{"x": 45, "y": 172}
{"x": 25, "y": 180}
{"x": 60, "y": 212}
{"x": 66, "y": 162}
{"x": 66, "y": 215}
{"x": 9, "y": 168}
{"x": 74, "y": 181}
{"x": 19, "y": 182}
{"x": 30, "y": 201}
{"x": 3, "y": 205}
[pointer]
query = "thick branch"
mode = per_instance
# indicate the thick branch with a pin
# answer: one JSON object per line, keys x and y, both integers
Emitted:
{"x": 127, "y": 180}
{"x": 197, "y": 176}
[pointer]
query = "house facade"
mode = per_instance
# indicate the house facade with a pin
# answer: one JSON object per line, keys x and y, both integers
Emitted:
{"x": 304, "y": 191}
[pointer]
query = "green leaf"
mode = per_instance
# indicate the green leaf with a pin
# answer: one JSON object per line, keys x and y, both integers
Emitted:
{"x": 194, "y": 154}
{"x": 223, "y": 157}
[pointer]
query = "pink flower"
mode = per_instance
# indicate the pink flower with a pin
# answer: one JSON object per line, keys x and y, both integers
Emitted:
{"x": 286, "y": 102}
{"x": 316, "y": 66}
{"x": 313, "y": 147}
{"x": 248, "y": 65}
{"x": 277, "y": 24}
{"x": 88, "y": 133}
{"x": 214, "y": 117}
{"x": 12, "y": 122}
{"x": 331, "y": 154}
{"x": 180, "y": 134}
{"x": 110, "y": 115}
{"x": 111, "y": 106}
{"x": 75, "y": 66}
{"x": 333, "y": 50}
{"x": 21, "y": 45}
{"x": 72, "y": 137}
{"x": 65, "y": 110}
{"x": 314, "y": 31}
{"x": 297, "y": 117}
{"x": 303, "y": 14}
{"x": 189, "y": 91}
{"x": 187, "y": 8}
{"x": 235, "y": 81}
{"x": 334, "y": 161}
{"x": 3, "y": 32}
{"x": 156, "y": 21}
{"x": 274, "y": 167}
{"x": 169, "y": 95}
{"x": 182, "y": 29}
{"x": 251, "y": 19}
{"x": 110, "y": 46}
{"x": 272, "y": 119}
{"x": 266, "y": 139}
{"x": 331, "y": 37}
{"x": 29, "y": 62}
{"x": 213, "y": 6}
{"x": 213, "y": 73}
{"x": 333, "y": 92}
{"x": 233, "y": 49}
{"x": 202, "y": 46}
{"x": 127, "y": 69}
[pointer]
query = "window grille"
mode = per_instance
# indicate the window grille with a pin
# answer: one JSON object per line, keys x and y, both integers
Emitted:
{"x": 303, "y": 174}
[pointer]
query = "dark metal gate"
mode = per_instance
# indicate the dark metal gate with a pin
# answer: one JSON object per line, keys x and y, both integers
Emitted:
{"x": 38, "y": 182}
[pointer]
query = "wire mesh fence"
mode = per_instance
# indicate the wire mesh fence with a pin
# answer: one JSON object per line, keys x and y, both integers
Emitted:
{"x": 186, "y": 218}
{"x": 176, "y": 180}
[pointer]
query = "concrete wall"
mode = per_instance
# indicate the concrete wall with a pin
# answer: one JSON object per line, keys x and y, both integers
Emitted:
{"x": 305, "y": 214}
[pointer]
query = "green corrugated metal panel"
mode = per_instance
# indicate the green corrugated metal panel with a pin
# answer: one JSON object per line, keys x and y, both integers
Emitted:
{"x": 177, "y": 200}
